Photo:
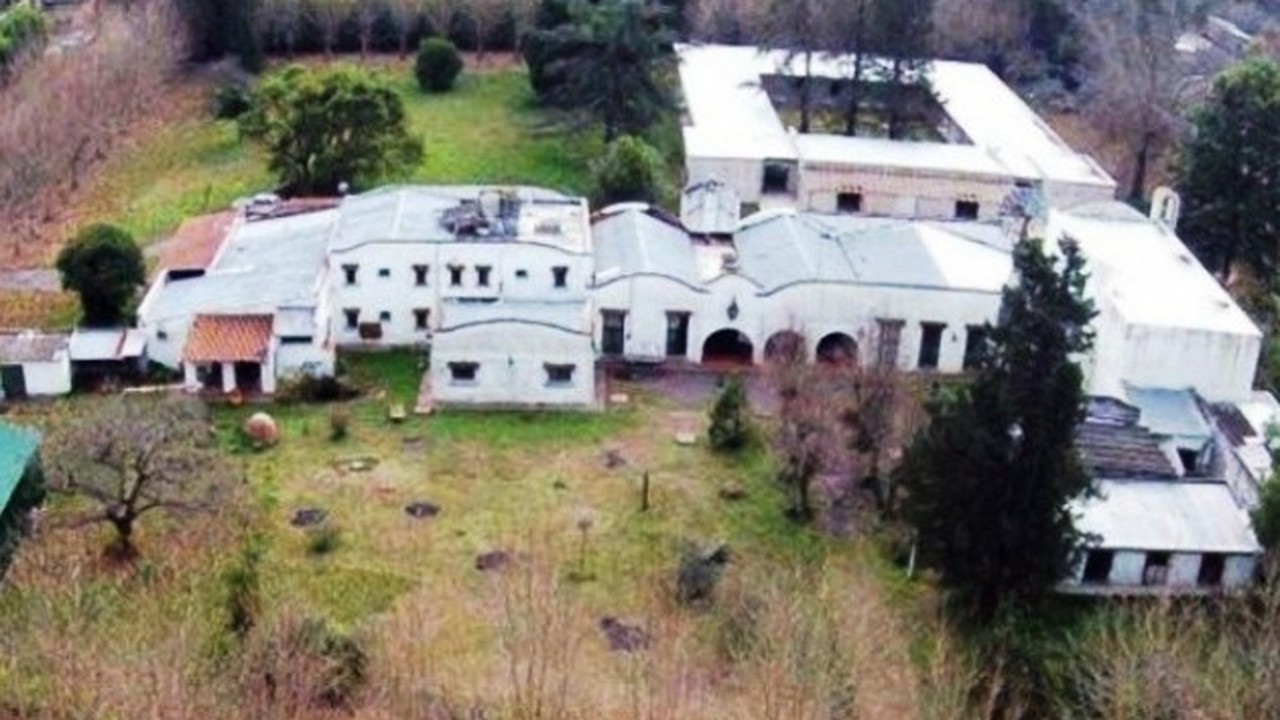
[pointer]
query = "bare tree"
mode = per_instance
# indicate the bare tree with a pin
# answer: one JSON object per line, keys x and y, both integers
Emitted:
{"x": 329, "y": 15}
{"x": 484, "y": 16}
{"x": 1138, "y": 88}
{"x": 805, "y": 439}
{"x": 366, "y": 15}
{"x": 132, "y": 456}
{"x": 407, "y": 14}
{"x": 283, "y": 18}
{"x": 798, "y": 28}
{"x": 879, "y": 415}
{"x": 440, "y": 13}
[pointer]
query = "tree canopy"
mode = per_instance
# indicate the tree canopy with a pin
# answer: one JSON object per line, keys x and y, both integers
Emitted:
{"x": 989, "y": 481}
{"x": 630, "y": 170}
{"x": 103, "y": 265}
{"x": 1229, "y": 172}
{"x": 325, "y": 127}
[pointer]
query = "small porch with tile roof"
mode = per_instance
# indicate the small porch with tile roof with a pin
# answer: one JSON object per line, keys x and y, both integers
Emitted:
{"x": 230, "y": 354}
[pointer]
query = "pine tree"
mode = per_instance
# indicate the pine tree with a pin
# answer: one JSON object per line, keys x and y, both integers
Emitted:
{"x": 730, "y": 429}
{"x": 990, "y": 480}
{"x": 903, "y": 29}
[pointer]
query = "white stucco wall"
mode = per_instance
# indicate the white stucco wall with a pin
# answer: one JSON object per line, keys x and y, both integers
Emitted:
{"x": 744, "y": 175}
{"x": 47, "y": 378}
{"x": 511, "y": 359}
{"x": 1239, "y": 571}
{"x": 1126, "y": 568}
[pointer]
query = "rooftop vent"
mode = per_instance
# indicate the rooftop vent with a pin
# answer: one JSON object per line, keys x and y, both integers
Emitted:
{"x": 262, "y": 205}
{"x": 729, "y": 262}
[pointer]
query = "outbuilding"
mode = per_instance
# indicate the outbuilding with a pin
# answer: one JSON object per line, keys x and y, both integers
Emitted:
{"x": 34, "y": 364}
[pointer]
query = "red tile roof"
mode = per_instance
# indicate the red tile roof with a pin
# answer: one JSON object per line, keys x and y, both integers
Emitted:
{"x": 228, "y": 338}
{"x": 196, "y": 242}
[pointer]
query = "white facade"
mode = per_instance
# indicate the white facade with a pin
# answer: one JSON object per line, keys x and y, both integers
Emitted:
{"x": 34, "y": 364}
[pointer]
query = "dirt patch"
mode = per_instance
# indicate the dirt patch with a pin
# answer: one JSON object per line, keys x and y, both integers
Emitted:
{"x": 421, "y": 510}
{"x": 308, "y": 517}
{"x": 492, "y": 560}
{"x": 624, "y": 637}
{"x": 363, "y": 463}
{"x": 36, "y": 280}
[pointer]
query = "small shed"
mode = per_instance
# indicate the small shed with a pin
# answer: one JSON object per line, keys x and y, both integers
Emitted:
{"x": 106, "y": 354}
{"x": 230, "y": 353}
{"x": 18, "y": 448}
{"x": 33, "y": 364}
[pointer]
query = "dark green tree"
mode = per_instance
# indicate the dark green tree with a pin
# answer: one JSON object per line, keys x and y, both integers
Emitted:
{"x": 730, "y": 427}
{"x": 438, "y": 65}
{"x": 544, "y": 48}
{"x": 903, "y": 29}
{"x": 1266, "y": 516}
{"x": 1229, "y": 172}
{"x": 606, "y": 64}
{"x": 797, "y": 28}
{"x": 28, "y": 494}
{"x": 218, "y": 28}
{"x": 630, "y": 170}
{"x": 328, "y": 126}
{"x": 104, "y": 266}
{"x": 989, "y": 482}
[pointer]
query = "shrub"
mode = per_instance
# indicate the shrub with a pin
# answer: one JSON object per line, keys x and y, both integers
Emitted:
{"x": 230, "y": 102}
{"x": 438, "y": 65}
{"x": 730, "y": 429}
{"x": 339, "y": 424}
{"x": 630, "y": 170}
{"x": 20, "y": 27}
{"x": 242, "y": 588}
{"x": 306, "y": 663}
{"x": 698, "y": 573}
{"x": 1266, "y": 516}
{"x": 316, "y": 389}
{"x": 104, "y": 266}
{"x": 324, "y": 539}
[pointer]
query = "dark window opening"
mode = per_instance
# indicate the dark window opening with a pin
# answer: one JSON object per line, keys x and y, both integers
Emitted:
{"x": 890, "y": 341}
{"x": 463, "y": 371}
{"x": 420, "y": 274}
{"x": 677, "y": 334}
{"x": 975, "y": 346}
{"x": 849, "y": 202}
{"x": 482, "y": 275}
{"x": 370, "y": 331}
{"x": 353, "y": 318}
{"x": 1190, "y": 460}
{"x": 930, "y": 345}
{"x": 1212, "y": 567}
{"x": 777, "y": 178}
{"x": 420, "y": 318}
{"x": 455, "y": 276}
{"x": 559, "y": 374}
{"x": 350, "y": 272}
{"x": 613, "y": 337}
{"x": 295, "y": 340}
{"x": 384, "y": 316}
{"x": 560, "y": 274}
{"x": 1097, "y": 566}
{"x": 1156, "y": 569}
{"x": 522, "y": 274}
{"x": 966, "y": 210}
{"x": 384, "y": 272}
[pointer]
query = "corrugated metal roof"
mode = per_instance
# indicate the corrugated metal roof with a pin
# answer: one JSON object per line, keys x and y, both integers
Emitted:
{"x": 1165, "y": 515}
{"x": 228, "y": 338}
{"x": 632, "y": 241}
{"x": 17, "y": 446}
{"x": 29, "y": 346}
{"x": 1173, "y": 413}
{"x": 710, "y": 207}
{"x": 295, "y": 322}
{"x": 107, "y": 344}
{"x": 1123, "y": 451}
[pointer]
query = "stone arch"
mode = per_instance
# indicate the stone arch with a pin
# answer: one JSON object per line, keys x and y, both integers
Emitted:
{"x": 728, "y": 346}
{"x": 837, "y": 348}
{"x": 785, "y": 345}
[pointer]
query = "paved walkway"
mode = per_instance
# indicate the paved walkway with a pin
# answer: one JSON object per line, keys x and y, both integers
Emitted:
{"x": 426, "y": 403}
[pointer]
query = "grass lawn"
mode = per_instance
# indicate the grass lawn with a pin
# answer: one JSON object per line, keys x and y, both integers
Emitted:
{"x": 432, "y": 624}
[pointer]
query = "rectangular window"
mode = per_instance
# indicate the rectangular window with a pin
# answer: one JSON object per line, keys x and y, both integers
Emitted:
{"x": 777, "y": 178}
{"x": 1156, "y": 569}
{"x": 370, "y": 331}
{"x": 421, "y": 316}
{"x": 1212, "y": 567}
{"x": 420, "y": 274}
{"x": 384, "y": 272}
{"x": 677, "y": 334}
{"x": 1097, "y": 566}
{"x": 353, "y": 318}
{"x": 482, "y": 275}
{"x": 849, "y": 202}
{"x": 455, "y": 276}
{"x": 930, "y": 345}
{"x": 559, "y": 374}
{"x": 613, "y": 337}
{"x": 296, "y": 340}
{"x": 349, "y": 271}
{"x": 966, "y": 209}
{"x": 890, "y": 341}
{"x": 560, "y": 275}
{"x": 975, "y": 344}
{"x": 463, "y": 372}
{"x": 522, "y": 274}
{"x": 384, "y": 316}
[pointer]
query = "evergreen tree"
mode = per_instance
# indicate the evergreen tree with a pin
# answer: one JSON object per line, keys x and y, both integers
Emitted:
{"x": 798, "y": 28}
{"x": 989, "y": 481}
{"x": 104, "y": 266}
{"x": 730, "y": 428}
{"x": 1266, "y": 516}
{"x": 630, "y": 170}
{"x": 1230, "y": 172}
{"x": 903, "y": 29}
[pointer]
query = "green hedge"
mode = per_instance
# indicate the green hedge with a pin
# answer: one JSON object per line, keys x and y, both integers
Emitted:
{"x": 20, "y": 27}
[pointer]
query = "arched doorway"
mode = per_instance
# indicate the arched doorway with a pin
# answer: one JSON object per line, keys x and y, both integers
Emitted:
{"x": 727, "y": 346}
{"x": 838, "y": 348}
{"x": 785, "y": 346}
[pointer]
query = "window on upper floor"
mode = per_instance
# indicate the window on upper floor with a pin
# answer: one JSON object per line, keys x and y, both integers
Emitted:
{"x": 420, "y": 274}
{"x": 353, "y": 318}
{"x": 522, "y": 274}
{"x": 930, "y": 345}
{"x": 384, "y": 272}
{"x": 455, "y": 276}
{"x": 966, "y": 209}
{"x": 560, "y": 276}
{"x": 463, "y": 372}
{"x": 349, "y": 273}
{"x": 384, "y": 316}
{"x": 849, "y": 202}
{"x": 421, "y": 317}
{"x": 482, "y": 275}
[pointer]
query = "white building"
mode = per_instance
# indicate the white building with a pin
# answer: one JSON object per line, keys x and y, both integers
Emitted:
{"x": 975, "y": 142}
{"x": 34, "y": 364}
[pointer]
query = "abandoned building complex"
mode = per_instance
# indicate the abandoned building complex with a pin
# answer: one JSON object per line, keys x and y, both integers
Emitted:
{"x": 856, "y": 249}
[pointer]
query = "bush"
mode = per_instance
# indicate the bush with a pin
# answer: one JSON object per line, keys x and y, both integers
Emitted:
{"x": 242, "y": 588}
{"x": 306, "y": 663}
{"x": 438, "y": 65}
{"x": 103, "y": 265}
{"x": 316, "y": 389}
{"x": 339, "y": 424}
{"x": 730, "y": 429}
{"x": 230, "y": 102}
{"x": 1266, "y": 516}
{"x": 630, "y": 170}
{"x": 323, "y": 540}
{"x": 698, "y": 573}
{"x": 20, "y": 27}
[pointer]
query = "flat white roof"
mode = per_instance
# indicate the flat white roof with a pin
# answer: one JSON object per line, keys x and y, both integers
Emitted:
{"x": 730, "y": 116}
{"x": 1140, "y": 267}
{"x": 1165, "y": 515}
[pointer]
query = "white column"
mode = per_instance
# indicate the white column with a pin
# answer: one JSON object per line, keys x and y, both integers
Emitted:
{"x": 228, "y": 377}
{"x": 189, "y": 379}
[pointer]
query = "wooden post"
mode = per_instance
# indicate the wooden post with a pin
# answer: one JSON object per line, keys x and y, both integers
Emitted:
{"x": 644, "y": 493}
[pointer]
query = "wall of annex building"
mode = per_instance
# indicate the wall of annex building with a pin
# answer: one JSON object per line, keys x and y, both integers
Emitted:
{"x": 511, "y": 362}
{"x": 387, "y": 289}
{"x": 46, "y": 378}
{"x": 744, "y": 175}
{"x": 901, "y": 193}
{"x": 813, "y": 310}
{"x": 1219, "y": 366}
